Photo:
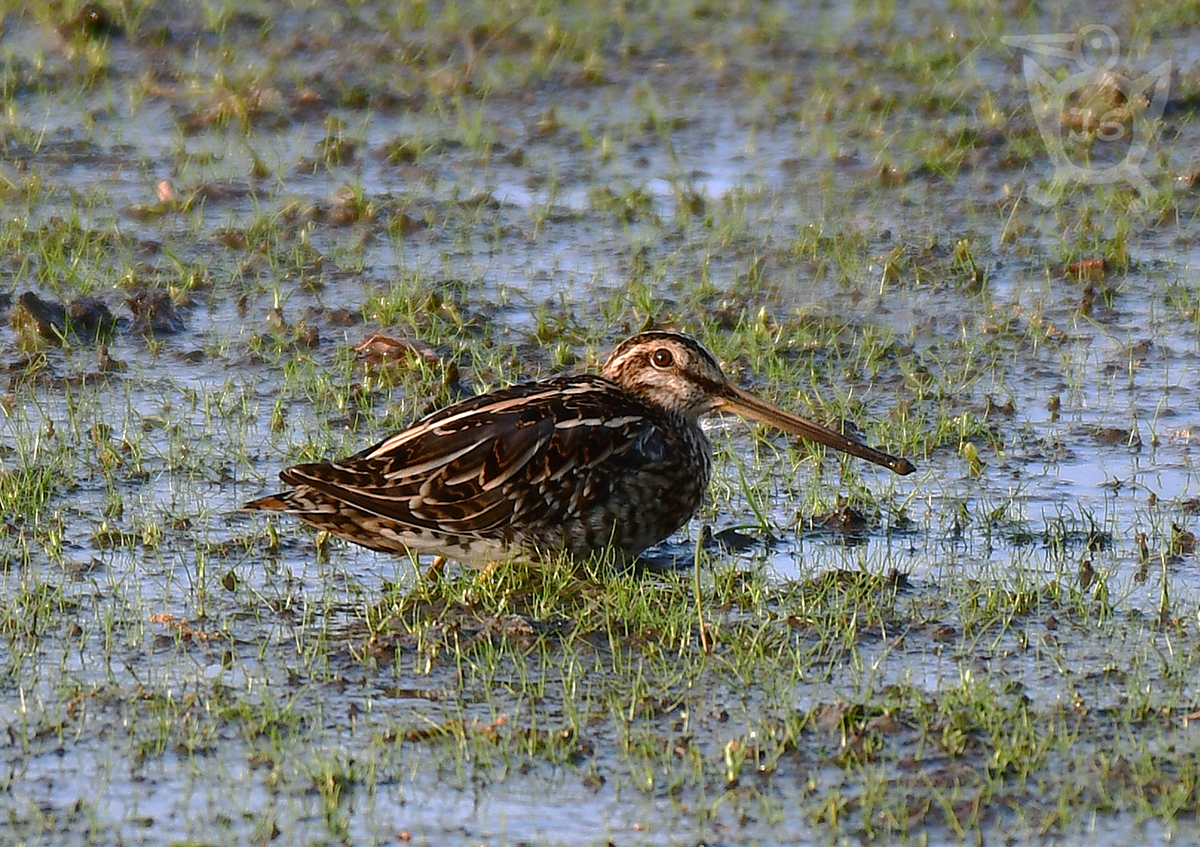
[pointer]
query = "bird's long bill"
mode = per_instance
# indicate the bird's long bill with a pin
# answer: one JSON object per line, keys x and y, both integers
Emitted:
{"x": 733, "y": 399}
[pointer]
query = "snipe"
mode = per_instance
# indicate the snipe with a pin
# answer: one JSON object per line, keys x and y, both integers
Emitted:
{"x": 575, "y": 464}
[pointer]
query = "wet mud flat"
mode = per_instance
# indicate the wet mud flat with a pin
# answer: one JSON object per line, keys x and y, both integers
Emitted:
{"x": 239, "y": 238}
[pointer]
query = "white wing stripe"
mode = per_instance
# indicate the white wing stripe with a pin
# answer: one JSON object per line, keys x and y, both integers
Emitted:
{"x": 424, "y": 467}
{"x": 418, "y": 430}
{"x": 611, "y": 423}
{"x": 515, "y": 466}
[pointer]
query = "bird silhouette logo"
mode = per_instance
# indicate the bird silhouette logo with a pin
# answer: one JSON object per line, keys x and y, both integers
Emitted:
{"x": 1097, "y": 123}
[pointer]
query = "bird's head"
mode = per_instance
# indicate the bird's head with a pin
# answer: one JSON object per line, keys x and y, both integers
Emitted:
{"x": 675, "y": 372}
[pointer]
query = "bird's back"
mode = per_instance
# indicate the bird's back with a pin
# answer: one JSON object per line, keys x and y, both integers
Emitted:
{"x": 573, "y": 463}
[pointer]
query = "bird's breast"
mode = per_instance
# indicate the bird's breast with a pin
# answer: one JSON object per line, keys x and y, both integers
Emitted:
{"x": 649, "y": 490}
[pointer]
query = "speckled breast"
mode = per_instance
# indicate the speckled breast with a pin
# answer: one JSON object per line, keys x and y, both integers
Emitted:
{"x": 635, "y": 497}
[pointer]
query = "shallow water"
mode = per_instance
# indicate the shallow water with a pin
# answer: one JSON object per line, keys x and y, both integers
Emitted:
{"x": 553, "y": 204}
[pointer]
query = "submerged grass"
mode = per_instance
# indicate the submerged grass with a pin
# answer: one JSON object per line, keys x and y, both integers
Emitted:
{"x": 1002, "y": 645}
{"x": 976, "y": 749}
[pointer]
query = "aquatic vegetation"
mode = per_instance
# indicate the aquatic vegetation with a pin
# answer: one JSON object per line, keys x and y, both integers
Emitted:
{"x": 239, "y": 239}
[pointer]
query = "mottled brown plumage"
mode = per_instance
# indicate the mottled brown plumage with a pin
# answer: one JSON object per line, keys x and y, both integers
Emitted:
{"x": 575, "y": 464}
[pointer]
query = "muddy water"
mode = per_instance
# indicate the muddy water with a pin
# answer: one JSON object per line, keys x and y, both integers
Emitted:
{"x": 192, "y": 155}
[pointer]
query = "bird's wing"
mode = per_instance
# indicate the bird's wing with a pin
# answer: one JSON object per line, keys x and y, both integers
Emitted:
{"x": 516, "y": 455}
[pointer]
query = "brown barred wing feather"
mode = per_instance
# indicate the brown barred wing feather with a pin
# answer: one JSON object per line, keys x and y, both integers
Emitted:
{"x": 519, "y": 462}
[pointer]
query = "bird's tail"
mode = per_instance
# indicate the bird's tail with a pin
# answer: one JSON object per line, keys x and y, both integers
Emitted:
{"x": 299, "y": 501}
{"x": 273, "y": 503}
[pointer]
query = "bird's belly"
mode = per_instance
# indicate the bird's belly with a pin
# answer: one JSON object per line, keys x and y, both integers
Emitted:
{"x": 646, "y": 521}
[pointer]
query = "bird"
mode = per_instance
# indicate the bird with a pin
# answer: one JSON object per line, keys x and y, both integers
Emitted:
{"x": 578, "y": 464}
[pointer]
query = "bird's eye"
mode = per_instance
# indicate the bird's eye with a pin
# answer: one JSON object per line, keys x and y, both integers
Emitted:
{"x": 662, "y": 358}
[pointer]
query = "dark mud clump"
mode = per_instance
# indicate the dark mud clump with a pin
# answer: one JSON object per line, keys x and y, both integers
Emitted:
{"x": 154, "y": 312}
{"x": 41, "y": 322}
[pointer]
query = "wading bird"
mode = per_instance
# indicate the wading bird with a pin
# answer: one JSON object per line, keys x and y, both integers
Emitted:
{"x": 574, "y": 464}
